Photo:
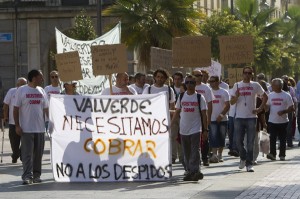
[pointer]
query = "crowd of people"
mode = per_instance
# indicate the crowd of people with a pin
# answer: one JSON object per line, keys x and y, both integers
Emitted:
{"x": 204, "y": 110}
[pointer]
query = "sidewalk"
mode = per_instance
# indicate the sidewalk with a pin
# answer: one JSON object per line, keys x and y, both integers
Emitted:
{"x": 271, "y": 179}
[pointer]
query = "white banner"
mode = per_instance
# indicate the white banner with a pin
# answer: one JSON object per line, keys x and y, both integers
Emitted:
{"x": 214, "y": 70}
{"x": 67, "y": 44}
{"x": 110, "y": 138}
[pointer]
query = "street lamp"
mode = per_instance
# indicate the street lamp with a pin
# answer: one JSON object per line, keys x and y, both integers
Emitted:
{"x": 286, "y": 18}
{"x": 99, "y": 17}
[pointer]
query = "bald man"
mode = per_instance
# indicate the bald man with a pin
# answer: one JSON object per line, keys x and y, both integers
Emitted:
{"x": 8, "y": 118}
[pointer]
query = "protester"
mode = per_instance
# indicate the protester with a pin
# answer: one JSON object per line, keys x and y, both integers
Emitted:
{"x": 160, "y": 77}
{"x": 291, "y": 91}
{"x": 70, "y": 88}
{"x": 244, "y": 96}
{"x": 53, "y": 88}
{"x": 121, "y": 87}
{"x": 139, "y": 84}
{"x": 218, "y": 125}
{"x": 205, "y": 77}
{"x": 204, "y": 90}
{"x": 176, "y": 147}
{"x": 8, "y": 107}
{"x": 131, "y": 79}
{"x": 149, "y": 79}
{"x": 191, "y": 115}
{"x": 30, "y": 106}
{"x": 280, "y": 104}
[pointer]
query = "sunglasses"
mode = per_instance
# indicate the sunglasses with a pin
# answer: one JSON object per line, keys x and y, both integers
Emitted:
{"x": 190, "y": 82}
{"x": 198, "y": 75}
{"x": 212, "y": 81}
{"x": 247, "y": 73}
{"x": 54, "y": 76}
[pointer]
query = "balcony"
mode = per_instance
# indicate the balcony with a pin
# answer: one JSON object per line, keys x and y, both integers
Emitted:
{"x": 46, "y": 3}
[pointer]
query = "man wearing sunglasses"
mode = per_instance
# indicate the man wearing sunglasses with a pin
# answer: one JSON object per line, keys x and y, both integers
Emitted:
{"x": 244, "y": 95}
{"x": 190, "y": 124}
{"x": 206, "y": 91}
{"x": 54, "y": 87}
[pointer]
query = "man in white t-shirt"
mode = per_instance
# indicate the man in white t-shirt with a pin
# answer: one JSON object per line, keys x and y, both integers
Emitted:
{"x": 176, "y": 147}
{"x": 190, "y": 127}
{"x": 204, "y": 90}
{"x": 139, "y": 84}
{"x": 280, "y": 104}
{"x": 244, "y": 95}
{"x": 160, "y": 77}
{"x": 53, "y": 88}
{"x": 8, "y": 108}
{"x": 219, "y": 118}
{"x": 121, "y": 87}
{"x": 30, "y": 106}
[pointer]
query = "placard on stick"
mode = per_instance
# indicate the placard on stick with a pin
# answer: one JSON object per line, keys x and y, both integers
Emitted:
{"x": 68, "y": 66}
{"x": 191, "y": 51}
{"x": 235, "y": 75}
{"x": 236, "y": 49}
{"x": 109, "y": 59}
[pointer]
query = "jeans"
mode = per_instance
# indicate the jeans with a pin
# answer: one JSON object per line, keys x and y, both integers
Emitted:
{"x": 190, "y": 147}
{"x": 242, "y": 127}
{"x": 232, "y": 135}
{"x": 280, "y": 131}
{"x": 217, "y": 134}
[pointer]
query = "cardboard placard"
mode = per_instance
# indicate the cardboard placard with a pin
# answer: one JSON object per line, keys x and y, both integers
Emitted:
{"x": 161, "y": 58}
{"x": 109, "y": 59}
{"x": 191, "y": 51}
{"x": 235, "y": 75}
{"x": 236, "y": 49}
{"x": 68, "y": 66}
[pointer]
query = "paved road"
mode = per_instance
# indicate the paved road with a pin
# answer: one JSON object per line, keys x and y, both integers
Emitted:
{"x": 271, "y": 179}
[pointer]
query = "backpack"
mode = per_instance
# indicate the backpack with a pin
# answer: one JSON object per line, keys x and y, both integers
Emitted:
{"x": 199, "y": 104}
{"x": 169, "y": 92}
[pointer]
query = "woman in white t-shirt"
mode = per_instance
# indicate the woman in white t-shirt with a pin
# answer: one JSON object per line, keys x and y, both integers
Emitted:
{"x": 280, "y": 104}
{"x": 219, "y": 118}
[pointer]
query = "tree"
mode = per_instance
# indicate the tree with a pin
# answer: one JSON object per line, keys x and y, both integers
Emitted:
{"x": 154, "y": 23}
{"x": 219, "y": 24}
{"x": 82, "y": 30}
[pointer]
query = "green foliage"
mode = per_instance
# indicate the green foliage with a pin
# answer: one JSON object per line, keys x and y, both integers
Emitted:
{"x": 83, "y": 28}
{"x": 154, "y": 23}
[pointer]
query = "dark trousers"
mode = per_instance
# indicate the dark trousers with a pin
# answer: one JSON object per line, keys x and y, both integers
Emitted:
{"x": 204, "y": 146}
{"x": 190, "y": 147}
{"x": 280, "y": 131}
{"x": 15, "y": 141}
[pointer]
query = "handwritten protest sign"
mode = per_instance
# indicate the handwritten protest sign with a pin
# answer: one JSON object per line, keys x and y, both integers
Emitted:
{"x": 67, "y": 44}
{"x": 109, "y": 59}
{"x": 236, "y": 49}
{"x": 68, "y": 66}
{"x": 215, "y": 69}
{"x": 110, "y": 138}
{"x": 191, "y": 51}
{"x": 235, "y": 75}
{"x": 161, "y": 58}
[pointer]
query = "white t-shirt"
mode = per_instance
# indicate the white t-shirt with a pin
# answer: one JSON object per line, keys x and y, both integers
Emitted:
{"x": 221, "y": 96}
{"x": 190, "y": 119}
{"x": 231, "y": 111}
{"x": 52, "y": 90}
{"x": 224, "y": 86}
{"x": 155, "y": 89}
{"x": 246, "y": 102}
{"x": 278, "y": 102}
{"x": 31, "y": 103}
{"x": 139, "y": 90}
{"x": 118, "y": 91}
{"x": 9, "y": 100}
{"x": 205, "y": 90}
